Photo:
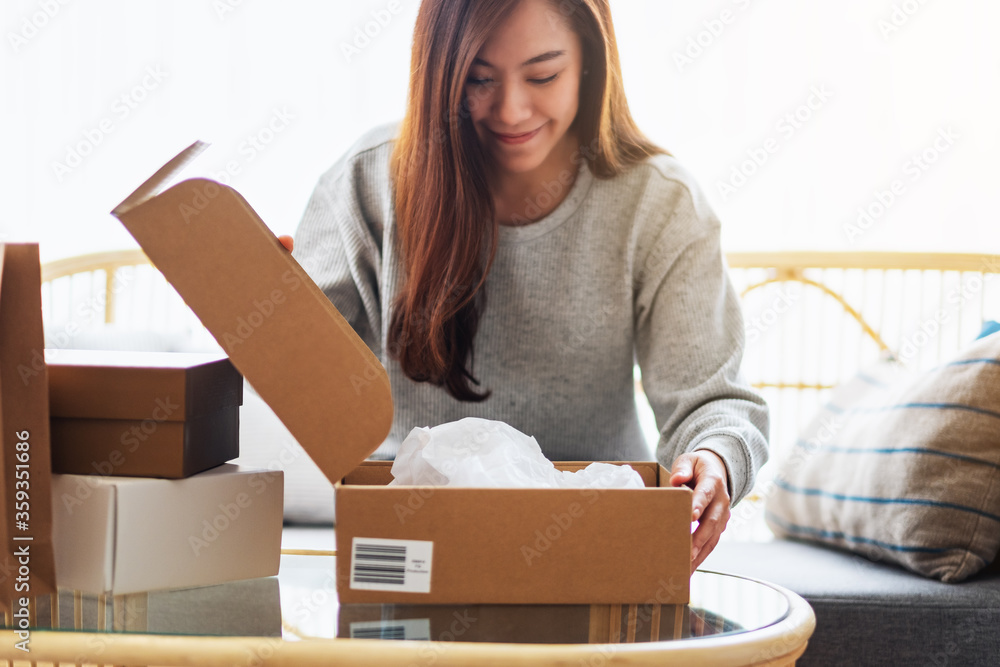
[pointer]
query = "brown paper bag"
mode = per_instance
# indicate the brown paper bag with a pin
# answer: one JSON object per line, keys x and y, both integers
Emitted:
{"x": 27, "y": 566}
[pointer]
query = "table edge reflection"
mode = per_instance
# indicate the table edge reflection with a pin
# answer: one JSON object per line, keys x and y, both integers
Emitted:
{"x": 779, "y": 643}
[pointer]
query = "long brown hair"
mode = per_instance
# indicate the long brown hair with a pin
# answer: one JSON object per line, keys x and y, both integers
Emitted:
{"x": 445, "y": 218}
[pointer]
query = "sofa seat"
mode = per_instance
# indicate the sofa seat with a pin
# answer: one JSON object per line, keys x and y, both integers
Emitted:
{"x": 871, "y": 613}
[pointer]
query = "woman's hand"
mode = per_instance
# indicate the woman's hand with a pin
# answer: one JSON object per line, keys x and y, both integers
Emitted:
{"x": 705, "y": 472}
{"x": 287, "y": 242}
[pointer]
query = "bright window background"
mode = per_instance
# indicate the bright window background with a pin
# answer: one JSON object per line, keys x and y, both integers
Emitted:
{"x": 230, "y": 67}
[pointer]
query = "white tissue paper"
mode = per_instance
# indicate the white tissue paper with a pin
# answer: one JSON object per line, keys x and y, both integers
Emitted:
{"x": 484, "y": 453}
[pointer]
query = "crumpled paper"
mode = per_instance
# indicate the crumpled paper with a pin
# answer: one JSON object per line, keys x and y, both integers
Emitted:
{"x": 485, "y": 453}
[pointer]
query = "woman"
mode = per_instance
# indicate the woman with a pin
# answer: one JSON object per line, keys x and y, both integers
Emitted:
{"x": 516, "y": 245}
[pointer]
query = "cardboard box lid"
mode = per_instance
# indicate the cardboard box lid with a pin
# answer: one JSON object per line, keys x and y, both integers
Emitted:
{"x": 164, "y": 386}
{"x": 273, "y": 321}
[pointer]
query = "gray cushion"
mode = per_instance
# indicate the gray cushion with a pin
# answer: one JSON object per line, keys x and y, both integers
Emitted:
{"x": 874, "y": 613}
{"x": 902, "y": 468}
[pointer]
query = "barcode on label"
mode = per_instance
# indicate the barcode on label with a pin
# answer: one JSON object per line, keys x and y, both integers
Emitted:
{"x": 408, "y": 629}
{"x": 377, "y": 564}
{"x": 391, "y": 565}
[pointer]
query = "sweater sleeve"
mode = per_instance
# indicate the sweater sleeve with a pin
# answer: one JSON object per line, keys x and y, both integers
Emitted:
{"x": 339, "y": 245}
{"x": 689, "y": 343}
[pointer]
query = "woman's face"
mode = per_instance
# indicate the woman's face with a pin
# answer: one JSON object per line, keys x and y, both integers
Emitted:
{"x": 523, "y": 88}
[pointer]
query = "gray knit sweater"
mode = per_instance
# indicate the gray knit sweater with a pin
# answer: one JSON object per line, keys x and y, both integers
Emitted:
{"x": 624, "y": 270}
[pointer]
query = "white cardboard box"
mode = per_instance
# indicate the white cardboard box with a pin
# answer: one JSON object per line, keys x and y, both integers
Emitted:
{"x": 134, "y": 534}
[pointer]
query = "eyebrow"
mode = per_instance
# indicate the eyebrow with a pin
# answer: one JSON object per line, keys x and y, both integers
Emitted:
{"x": 545, "y": 57}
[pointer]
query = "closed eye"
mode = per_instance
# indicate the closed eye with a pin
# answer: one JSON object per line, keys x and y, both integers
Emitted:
{"x": 547, "y": 79}
{"x": 483, "y": 81}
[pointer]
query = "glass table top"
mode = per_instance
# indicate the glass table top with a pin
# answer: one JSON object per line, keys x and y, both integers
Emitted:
{"x": 301, "y": 603}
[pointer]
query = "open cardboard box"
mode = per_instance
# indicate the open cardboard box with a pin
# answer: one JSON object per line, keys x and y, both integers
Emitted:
{"x": 457, "y": 545}
{"x": 559, "y": 546}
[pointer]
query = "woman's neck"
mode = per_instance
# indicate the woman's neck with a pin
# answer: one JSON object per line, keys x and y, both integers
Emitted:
{"x": 527, "y": 197}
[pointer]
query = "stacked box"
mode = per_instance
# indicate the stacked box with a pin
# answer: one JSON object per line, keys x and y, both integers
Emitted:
{"x": 134, "y": 534}
{"x": 142, "y": 414}
{"x": 144, "y": 498}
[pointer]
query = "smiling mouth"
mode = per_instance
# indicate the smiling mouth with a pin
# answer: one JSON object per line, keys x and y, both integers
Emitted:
{"x": 516, "y": 138}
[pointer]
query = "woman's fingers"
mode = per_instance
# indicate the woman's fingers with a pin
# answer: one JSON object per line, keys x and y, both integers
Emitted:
{"x": 696, "y": 561}
{"x": 709, "y": 530}
{"x": 705, "y": 492}
{"x": 710, "y": 501}
{"x": 287, "y": 242}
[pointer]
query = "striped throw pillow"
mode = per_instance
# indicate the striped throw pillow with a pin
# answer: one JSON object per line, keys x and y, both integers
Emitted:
{"x": 902, "y": 468}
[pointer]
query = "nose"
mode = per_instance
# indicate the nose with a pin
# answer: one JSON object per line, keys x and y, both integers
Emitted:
{"x": 511, "y": 105}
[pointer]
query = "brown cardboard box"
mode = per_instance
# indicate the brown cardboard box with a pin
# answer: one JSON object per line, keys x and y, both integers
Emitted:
{"x": 453, "y": 545}
{"x": 26, "y": 558}
{"x": 145, "y": 447}
{"x": 463, "y": 545}
{"x": 142, "y": 414}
